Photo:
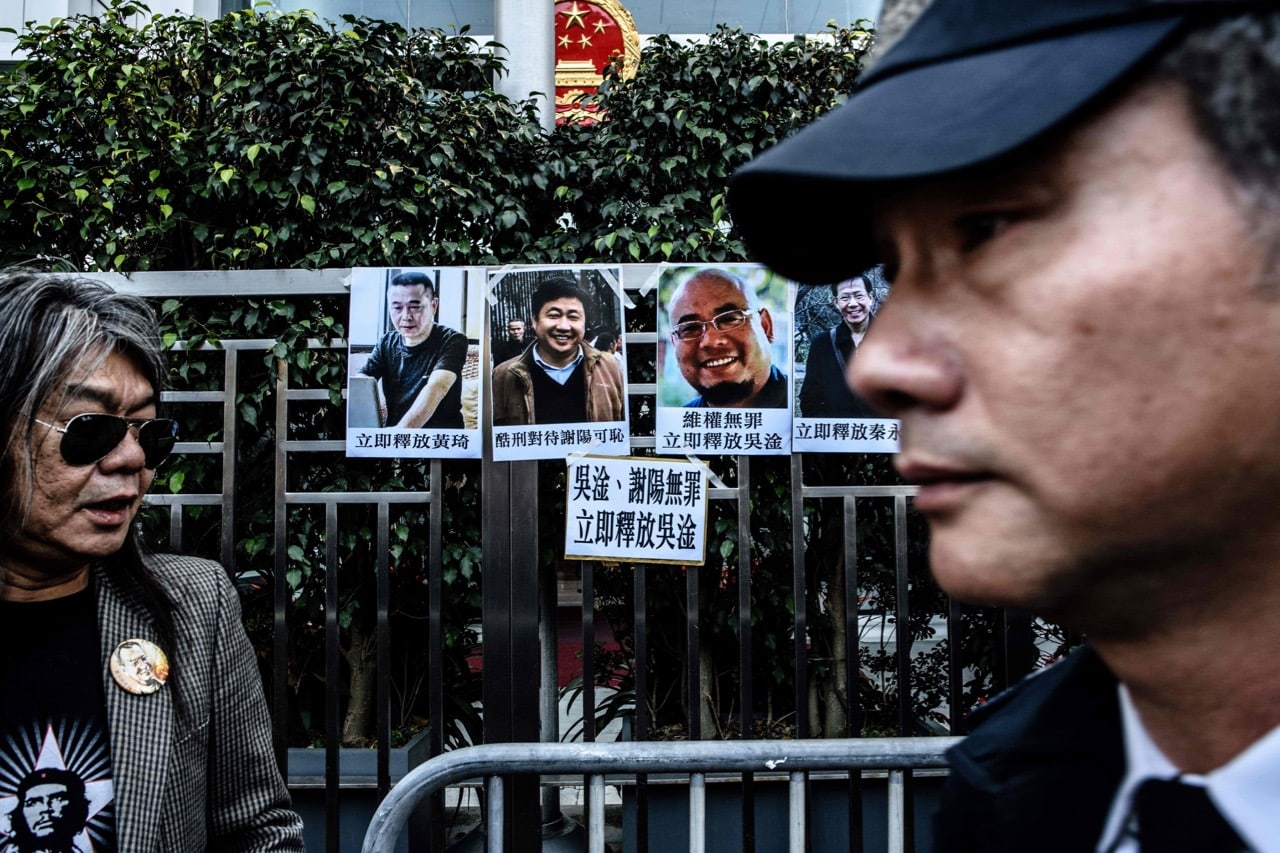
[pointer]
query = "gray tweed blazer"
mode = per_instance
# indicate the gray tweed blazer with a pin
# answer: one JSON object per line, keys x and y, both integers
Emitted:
{"x": 205, "y": 778}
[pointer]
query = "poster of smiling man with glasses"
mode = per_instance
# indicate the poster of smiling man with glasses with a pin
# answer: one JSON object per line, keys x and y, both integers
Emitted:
{"x": 831, "y": 321}
{"x": 723, "y": 361}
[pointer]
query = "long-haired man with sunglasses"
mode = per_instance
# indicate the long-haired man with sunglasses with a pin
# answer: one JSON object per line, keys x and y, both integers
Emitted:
{"x": 181, "y": 759}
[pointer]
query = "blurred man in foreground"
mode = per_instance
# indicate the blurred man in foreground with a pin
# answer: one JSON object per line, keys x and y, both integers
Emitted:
{"x": 1050, "y": 186}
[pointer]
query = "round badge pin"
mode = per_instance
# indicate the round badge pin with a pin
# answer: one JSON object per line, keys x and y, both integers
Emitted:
{"x": 139, "y": 666}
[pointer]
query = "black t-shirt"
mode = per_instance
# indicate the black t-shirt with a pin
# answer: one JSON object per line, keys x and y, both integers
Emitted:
{"x": 53, "y": 728}
{"x": 404, "y": 372}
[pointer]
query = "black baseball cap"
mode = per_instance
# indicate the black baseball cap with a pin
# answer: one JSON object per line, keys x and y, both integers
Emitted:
{"x": 970, "y": 81}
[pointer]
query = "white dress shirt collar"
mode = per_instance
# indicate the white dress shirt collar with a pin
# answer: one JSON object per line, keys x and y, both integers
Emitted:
{"x": 1245, "y": 789}
{"x": 559, "y": 374}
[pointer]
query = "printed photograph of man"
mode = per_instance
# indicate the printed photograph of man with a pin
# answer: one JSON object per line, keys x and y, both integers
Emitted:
{"x": 724, "y": 342}
{"x": 50, "y": 812}
{"x": 418, "y": 363}
{"x": 560, "y": 378}
{"x": 824, "y": 389}
{"x": 139, "y": 666}
{"x": 513, "y": 344}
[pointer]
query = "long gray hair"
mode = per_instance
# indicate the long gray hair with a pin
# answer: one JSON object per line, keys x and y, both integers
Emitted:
{"x": 55, "y": 328}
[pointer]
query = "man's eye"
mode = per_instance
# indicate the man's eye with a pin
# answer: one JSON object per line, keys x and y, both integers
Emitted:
{"x": 974, "y": 229}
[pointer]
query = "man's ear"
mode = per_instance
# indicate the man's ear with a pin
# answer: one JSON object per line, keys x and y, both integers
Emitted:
{"x": 766, "y": 323}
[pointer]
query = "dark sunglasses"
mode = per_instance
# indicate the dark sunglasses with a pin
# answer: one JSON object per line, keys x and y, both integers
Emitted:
{"x": 89, "y": 438}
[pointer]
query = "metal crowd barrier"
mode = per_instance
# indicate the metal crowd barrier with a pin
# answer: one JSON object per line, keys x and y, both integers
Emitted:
{"x": 695, "y": 758}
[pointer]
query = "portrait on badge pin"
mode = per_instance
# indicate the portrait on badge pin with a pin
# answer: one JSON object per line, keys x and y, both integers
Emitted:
{"x": 139, "y": 666}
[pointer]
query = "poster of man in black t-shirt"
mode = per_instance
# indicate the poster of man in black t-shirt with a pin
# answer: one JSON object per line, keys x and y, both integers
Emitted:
{"x": 419, "y": 362}
{"x": 413, "y": 371}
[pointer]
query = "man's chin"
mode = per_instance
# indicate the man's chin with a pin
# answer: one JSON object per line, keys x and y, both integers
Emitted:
{"x": 727, "y": 393}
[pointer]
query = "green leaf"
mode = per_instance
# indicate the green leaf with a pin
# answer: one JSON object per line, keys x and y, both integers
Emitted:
{"x": 308, "y": 203}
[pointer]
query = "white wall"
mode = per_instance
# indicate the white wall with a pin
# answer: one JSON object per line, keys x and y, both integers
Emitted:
{"x": 16, "y": 13}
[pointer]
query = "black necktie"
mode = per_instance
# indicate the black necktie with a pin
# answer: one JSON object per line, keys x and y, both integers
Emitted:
{"x": 1174, "y": 817}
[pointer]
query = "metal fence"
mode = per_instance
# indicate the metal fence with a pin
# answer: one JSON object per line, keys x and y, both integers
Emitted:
{"x": 803, "y": 625}
{"x": 797, "y": 759}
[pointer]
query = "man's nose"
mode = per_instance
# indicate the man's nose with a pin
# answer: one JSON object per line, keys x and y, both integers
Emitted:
{"x": 900, "y": 366}
{"x": 127, "y": 454}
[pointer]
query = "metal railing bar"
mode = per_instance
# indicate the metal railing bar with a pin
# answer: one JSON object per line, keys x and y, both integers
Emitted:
{"x": 575, "y": 781}
{"x": 860, "y": 491}
{"x": 904, "y": 642}
{"x": 854, "y": 715}
{"x": 279, "y": 584}
{"x": 262, "y": 345}
{"x": 229, "y": 282}
{"x": 382, "y": 678}
{"x": 703, "y": 756}
{"x": 955, "y": 666}
{"x": 745, "y": 686}
{"x": 201, "y": 447}
{"x": 175, "y": 527}
{"x": 352, "y": 498}
{"x": 309, "y": 394}
{"x": 799, "y": 588}
{"x": 314, "y": 445}
{"x": 796, "y": 812}
{"x": 853, "y": 699}
{"x": 902, "y": 615}
{"x": 640, "y": 630}
{"x": 497, "y": 817}
{"x": 897, "y": 840}
{"x": 588, "y": 611}
{"x": 595, "y": 813}
{"x": 333, "y": 671}
{"x": 697, "y": 813}
{"x": 196, "y": 396}
{"x": 594, "y": 805}
{"x": 230, "y": 378}
{"x": 693, "y": 652}
{"x": 435, "y": 640}
{"x": 183, "y": 500}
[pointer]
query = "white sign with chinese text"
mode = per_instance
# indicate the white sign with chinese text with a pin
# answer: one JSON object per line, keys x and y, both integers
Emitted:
{"x": 635, "y": 510}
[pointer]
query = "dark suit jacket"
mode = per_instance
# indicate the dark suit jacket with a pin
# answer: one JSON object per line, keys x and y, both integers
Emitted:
{"x": 825, "y": 392}
{"x": 205, "y": 778}
{"x": 1041, "y": 766}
